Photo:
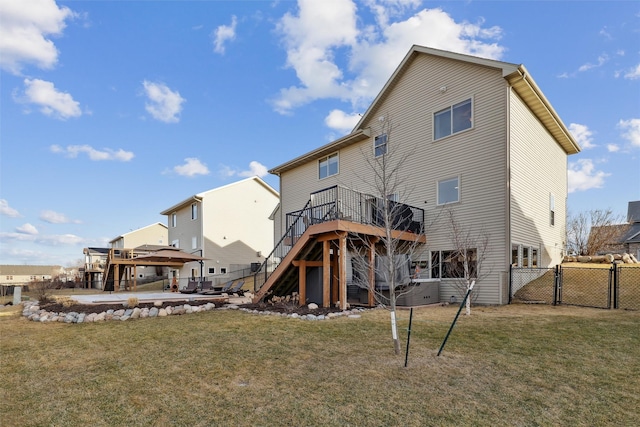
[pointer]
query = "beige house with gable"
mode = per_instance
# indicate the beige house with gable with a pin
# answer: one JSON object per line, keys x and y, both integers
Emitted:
{"x": 229, "y": 226}
{"x": 485, "y": 144}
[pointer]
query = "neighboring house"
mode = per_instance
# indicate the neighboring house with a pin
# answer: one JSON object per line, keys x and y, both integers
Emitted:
{"x": 229, "y": 226}
{"x": 151, "y": 237}
{"x": 140, "y": 241}
{"x": 483, "y": 142}
{"x": 19, "y": 275}
{"x": 154, "y": 235}
{"x": 628, "y": 235}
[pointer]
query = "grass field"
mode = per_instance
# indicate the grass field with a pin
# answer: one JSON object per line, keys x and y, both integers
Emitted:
{"x": 512, "y": 365}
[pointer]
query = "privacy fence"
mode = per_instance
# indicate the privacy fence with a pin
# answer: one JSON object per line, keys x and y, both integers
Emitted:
{"x": 615, "y": 287}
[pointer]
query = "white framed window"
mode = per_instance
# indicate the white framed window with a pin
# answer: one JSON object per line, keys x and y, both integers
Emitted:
{"x": 174, "y": 220}
{"x": 223, "y": 270}
{"x": 450, "y": 264}
{"x": 194, "y": 243}
{"x": 328, "y": 166}
{"x": 453, "y": 119}
{"x": 212, "y": 270}
{"x": 448, "y": 191}
{"x": 194, "y": 211}
{"x": 552, "y": 209}
{"x": 380, "y": 145}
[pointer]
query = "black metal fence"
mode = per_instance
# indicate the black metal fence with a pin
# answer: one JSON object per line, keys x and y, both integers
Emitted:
{"x": 615, "y": 287}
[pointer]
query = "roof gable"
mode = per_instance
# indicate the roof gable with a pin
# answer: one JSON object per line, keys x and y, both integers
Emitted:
{"x": 198, "y": 197}
{"x": 515, "y": 75}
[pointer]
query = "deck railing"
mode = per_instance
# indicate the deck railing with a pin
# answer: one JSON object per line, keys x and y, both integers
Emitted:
{"x": 341, "y": 203}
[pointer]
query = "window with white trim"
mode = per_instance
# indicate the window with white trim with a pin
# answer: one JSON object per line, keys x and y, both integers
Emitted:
{"x": 449, "y": 191}
{"x": 194, "y": 242}
{"x": 194, "y": 211}
{"x": 212, "y": 270}
{"x": 452, "y": 120}
{"x": 174, "y": 220}
{"x": 552, "y": 209}
{"x": 328, "y": 166}
{"x": 380, "y": 145}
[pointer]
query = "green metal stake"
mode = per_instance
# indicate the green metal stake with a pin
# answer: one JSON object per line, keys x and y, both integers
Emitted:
{"x": 406, "y": 355}
{"x": 464, "y": 300}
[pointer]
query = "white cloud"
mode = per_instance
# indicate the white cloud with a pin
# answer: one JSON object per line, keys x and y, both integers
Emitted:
{"x": 602, "y": 59}
{"x": 255, "y": 169}
{"x": 7, "y": 210}
{"x": 223, "y": 34}
{"x": 631, "y": 131}
{"x": 105, "y": 154}
{"x": 27, "y": 229}
{"x": 633, "y": 74}
{"x": 582, "y": 134}
{"x": 52, "y": 102}
{"x": 21, "y": 237}
{"x": 25, "y": 28}
{"x": 191, "y": 168}
{"x": 613, "y": 148}
{"x": 583, "y": 176}
{"x": 60, "y": 239}
{"x": 54, "y": 217}
{"x": 341, "y": 121}
{"x": 319, "y": 38}
{"x": 164, "y": 104}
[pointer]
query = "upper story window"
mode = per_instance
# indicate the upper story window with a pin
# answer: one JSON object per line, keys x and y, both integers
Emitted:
{"x": 552, "y": 210}
{"x": 174, "y": 219}
{"x": 380, "y": 145}
{"x": 328, "y": 166}
{"x": 452, "y": 119}
{"x": 194, "y": 211}
{"x": 449, "y": 191}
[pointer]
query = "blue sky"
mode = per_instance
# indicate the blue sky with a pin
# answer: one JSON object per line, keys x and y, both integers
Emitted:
{"x": 112, "y": 111}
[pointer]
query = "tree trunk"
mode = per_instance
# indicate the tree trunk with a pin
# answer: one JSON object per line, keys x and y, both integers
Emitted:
{"x": 394, "y": 332}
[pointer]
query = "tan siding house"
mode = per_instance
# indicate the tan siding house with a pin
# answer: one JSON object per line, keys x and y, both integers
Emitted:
{"x": 230, "y": 226}
{"x": 477, "y": 130}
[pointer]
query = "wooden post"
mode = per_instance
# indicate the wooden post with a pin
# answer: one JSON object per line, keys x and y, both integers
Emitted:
{"x": 116, "y": 278}
{"x": 302, "y": 282}
{"x": 342, "y": 269}
{"x": 326, "y": 274}
{"x": 335, "y": 279}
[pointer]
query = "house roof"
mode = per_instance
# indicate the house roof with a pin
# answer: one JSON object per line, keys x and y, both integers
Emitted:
{"x": 516, "y": 75}
{"x": 136, "y": 230}
{"x": 29, "y": 270}
{"x": 633, "y": 212}
{"x": 198, "y": 197}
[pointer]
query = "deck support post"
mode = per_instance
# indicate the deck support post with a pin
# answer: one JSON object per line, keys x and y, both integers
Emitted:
{"x": 326, "y": 274}
{"x": 342, "y": 271}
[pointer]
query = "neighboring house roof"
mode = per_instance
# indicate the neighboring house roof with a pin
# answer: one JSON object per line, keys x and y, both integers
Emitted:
{"x": 633, "y": 212}
{"x": 198, "y": 197}
{"x": 136, "y": 230}
{"x": 516, "y": 75}
{"x": 29, "y": 270}
{"x": 103, "y": 251}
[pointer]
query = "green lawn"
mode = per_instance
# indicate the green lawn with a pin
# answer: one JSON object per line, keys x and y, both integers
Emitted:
{"x": 512, "y": 365}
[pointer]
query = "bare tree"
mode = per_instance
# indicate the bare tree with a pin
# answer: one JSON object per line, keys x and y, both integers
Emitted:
{"x": 395, "y": 218}
{"x": 465, "y": 263}
{"x": 594, "y": 231}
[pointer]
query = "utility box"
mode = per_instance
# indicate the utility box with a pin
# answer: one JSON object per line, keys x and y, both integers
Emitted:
{"x": 420, "y": 292}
